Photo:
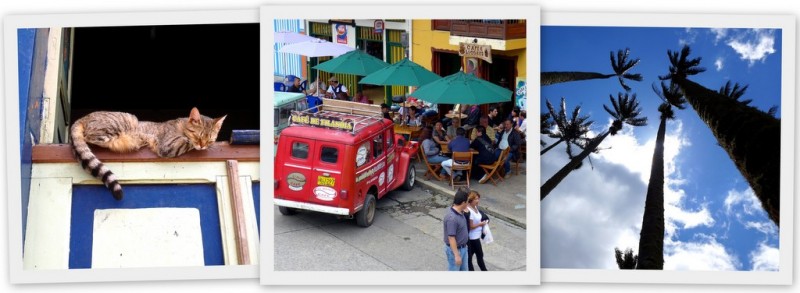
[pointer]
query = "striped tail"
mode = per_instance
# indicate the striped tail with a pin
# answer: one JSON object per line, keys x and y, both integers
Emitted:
{"x": 90, "y": 162}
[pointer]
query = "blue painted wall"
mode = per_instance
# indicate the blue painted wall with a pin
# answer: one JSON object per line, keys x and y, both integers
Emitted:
{"x": 285, "y": 63}
{"x": 87, "y": 198}
{"x": 257, "y": 203}
{"x": 26, "y": 39}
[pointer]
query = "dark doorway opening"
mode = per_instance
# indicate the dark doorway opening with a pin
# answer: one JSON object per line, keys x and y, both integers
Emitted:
{"x": 503, "y": 72}
{"x": 159, "y": 73}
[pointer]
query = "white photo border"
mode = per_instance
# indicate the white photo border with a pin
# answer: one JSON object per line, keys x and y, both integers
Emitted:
{"x": 269, "y": 13}
{"x": 787, "y": 25}
{"x": 14, "y": 22}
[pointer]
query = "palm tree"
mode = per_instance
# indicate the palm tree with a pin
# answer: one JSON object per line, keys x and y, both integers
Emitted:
{"x": 750, "y": 136}
{"x": 620, "y": 64}
{"x": 546, "y": 124}
{"x": 626, "y": 110}
{"x": 571, "y": 129}
{"x": 734, "y": 92}
{"x": 651, "y": 238}
{"x": 626, "y": 260}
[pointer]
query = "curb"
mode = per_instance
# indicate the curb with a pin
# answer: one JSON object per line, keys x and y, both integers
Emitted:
{"x": 448, "y": 191}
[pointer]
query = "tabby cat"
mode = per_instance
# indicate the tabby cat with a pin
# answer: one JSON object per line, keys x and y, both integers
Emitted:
{"x": 122, "y": 132}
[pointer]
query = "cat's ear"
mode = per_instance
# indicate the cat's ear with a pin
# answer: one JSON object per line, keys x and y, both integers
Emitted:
{"x": 194, "y": 116}
{"x": 218, "y": 121}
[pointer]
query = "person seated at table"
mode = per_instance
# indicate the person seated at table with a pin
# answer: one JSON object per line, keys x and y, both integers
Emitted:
{"x": 431, "y": 148}
{"x": 440, "y": 134}
{"x": 509, "y": 138}
{"x": 337, "y": 90}
{"x": 451, "y": 130}
{"x": 486, "y": 155}
{"x": 428, "y": 109}
{"x": 489, "y": 131}
{"x": 494, "y": 118}
{"x": 314, "y": 95}
{"x": 296, "y": 86}
{"x": 458, "y": 144}
{"x": 412, "y": 119}
{"x": 473, "y": 117}
{"x": 361, "y": 97}
{"x": 385, "y": 111}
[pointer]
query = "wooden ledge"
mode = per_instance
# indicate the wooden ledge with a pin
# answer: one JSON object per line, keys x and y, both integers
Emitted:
{"x": 220, "y": 151}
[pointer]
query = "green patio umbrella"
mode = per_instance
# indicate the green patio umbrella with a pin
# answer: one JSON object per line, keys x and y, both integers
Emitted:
{"x": 403, "y": 73}
{"x": 462, "y": 88}
{"x": 355, "y": 62}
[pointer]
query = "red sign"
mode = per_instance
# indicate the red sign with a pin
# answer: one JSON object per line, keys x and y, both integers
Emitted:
{"x": 378, "y": 26}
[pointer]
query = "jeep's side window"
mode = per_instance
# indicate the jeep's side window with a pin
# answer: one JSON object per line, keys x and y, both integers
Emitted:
{"x": 362, "y": 155}
{"x": 329, "y": 154}
{"x": 286, "y": 112}
{"x": 300, "y": 150}
{"x": 389, "y": 140}
{"x": 378, "y": 146}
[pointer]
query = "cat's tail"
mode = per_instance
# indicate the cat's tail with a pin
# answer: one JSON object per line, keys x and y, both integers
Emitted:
{"x": 90, "y": 162}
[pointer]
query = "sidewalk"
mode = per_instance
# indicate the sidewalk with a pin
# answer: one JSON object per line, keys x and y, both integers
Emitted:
{"x": 506, "y": 201}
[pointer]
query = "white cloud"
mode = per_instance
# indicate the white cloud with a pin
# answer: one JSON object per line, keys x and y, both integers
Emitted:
{"x": 719, "y": 34}
{"x": 605, "y": 204}
{"x": 753, "y": 45}
{"x": 747, "y": 199}
{"x": 719, "y": 63}
{"x": 688, "y": 38}
{"x": 704, "y": 254}
{"x": 765, "y": 258}
{"x": 768, "y": 228}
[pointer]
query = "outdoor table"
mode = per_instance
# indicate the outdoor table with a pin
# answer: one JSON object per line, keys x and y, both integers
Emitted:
{"x": 453, "y": 115}
{"x": 405, "y": 129}
{"x": 445, "y": 150}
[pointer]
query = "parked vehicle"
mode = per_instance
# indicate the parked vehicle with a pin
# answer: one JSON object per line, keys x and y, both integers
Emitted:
{"x": 285, "y": 103}
{"x": 340, "y": 161}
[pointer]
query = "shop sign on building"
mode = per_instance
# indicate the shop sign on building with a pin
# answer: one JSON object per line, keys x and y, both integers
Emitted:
{"x": 472, "y": 50}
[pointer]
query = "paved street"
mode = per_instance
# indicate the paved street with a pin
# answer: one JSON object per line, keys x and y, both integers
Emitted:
{"x": 406, "y": 236}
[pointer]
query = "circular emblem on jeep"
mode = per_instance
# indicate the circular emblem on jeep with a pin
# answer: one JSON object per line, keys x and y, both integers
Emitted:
{"x": 361, "y": 155}
{"x": 325, "y": 193}
{"x": 296, "y": 181}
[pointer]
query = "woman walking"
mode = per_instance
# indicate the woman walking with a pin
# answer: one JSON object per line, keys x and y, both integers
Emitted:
{"x": 476, "y": 220}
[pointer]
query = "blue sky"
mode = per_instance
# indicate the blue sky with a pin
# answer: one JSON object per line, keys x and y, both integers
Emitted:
{"x": 713, "y": 220}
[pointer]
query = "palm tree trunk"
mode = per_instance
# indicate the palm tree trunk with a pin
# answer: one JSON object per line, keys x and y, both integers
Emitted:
{"x": 549, "y": 78}
{"x": 750, "y": 137}
{"x": 651, "y": 238}
{"x": 551, "y": 146}
{"x": 551, "y": 183}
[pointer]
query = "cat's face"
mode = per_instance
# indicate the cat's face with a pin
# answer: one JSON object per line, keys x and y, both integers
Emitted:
{"x": 201, "y": 130}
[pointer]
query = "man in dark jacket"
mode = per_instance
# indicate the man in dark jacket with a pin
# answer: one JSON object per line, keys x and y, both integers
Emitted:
{"x": 508, "y": 138}
{"x": 473, "y": 117}
{"x": 486, "y": 154}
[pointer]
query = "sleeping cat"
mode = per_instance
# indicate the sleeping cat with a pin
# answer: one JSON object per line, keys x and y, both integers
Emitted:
{"x": 122, "y": 132}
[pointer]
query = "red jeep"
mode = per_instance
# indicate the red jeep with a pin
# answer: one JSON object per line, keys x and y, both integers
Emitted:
{"x": 340, "y": 160}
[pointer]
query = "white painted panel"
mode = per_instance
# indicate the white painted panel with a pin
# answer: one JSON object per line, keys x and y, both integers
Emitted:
{"x": 50, "y": 94}
{"x": 153, "y": 237}
{"x": 49, "y": 215}
{"x": 179, "y": 172}
{"x": 246, "y": 185}
{"x": 226, "y": 225}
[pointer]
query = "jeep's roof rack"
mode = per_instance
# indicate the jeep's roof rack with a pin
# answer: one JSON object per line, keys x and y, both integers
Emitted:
{"x": 342, "y": 115}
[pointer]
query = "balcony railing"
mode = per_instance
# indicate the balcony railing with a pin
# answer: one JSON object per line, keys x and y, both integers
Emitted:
{"x": 502, "y": 29}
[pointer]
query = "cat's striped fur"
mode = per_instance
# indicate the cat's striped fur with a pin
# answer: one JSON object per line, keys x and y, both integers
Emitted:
{"x": 123, "y": 132}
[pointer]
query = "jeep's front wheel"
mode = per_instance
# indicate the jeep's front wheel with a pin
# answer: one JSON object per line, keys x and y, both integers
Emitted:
{"x": 411, "y": 178}
{"x": 287, "y": 211}
{"x": 366, "y": 215}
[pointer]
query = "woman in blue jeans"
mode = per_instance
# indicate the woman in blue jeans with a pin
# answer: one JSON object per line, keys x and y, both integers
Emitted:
{"x": 431, "y": 148}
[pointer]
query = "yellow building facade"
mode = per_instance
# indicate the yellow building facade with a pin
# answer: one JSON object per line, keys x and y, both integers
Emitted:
{"x": 435, "y": 46}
